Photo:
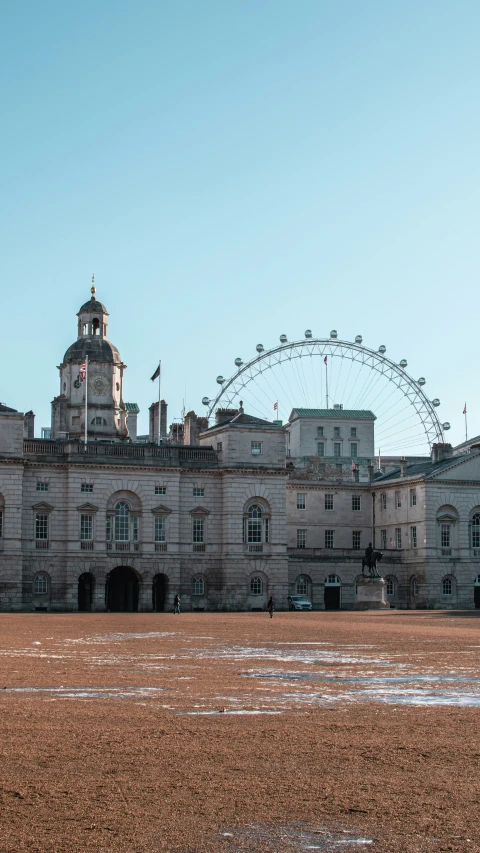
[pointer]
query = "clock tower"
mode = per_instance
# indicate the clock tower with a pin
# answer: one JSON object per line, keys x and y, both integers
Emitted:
{"x": 106, "y": 411}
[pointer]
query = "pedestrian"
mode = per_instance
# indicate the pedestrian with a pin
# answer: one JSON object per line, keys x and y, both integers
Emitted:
{"x": 176, "y": 604}
{"x": 271, "y": 605}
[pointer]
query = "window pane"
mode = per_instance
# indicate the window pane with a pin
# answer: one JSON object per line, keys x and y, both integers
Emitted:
{"x": 122, "y": 522}
{"x": 1, "y": 523}
{"x": 198, "y": 530}
{"x": 86, "y": 527}
{"x": 41, "y": 526}
{"x": 445, "y": 535}
{"x": 329, "y": 536}
{"x": 356, "y": 537}
{"x": 353, "y": 450}
{"x": 398, "y": 537}
{"x": 198, "y": 586}
{"x": 160, "y": 530}
{"x": 301, "y": 500}
{"x": 476, "y": 530}
{"x": 321, "y": 448}
{"x": 337, "y": 449}
{"x": 413, "y": 537}
{"x": 256, "y": 586}
{"x": 301, "y": 538}
{"x": 40, "y": 585}
{"x": 328, "y": 501}
{"x": 383, "y": 539}
{"x": 302, "y": 586}
{"x": 356, "y": 505}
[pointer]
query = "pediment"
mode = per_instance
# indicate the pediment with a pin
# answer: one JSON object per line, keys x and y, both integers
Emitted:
{"x": 447, "y": 518}
{"x": 200, "y": 510}
{"x": 161, "y": 510}
{"x": 42, "y": 507}
{"x": 87, "y": 508}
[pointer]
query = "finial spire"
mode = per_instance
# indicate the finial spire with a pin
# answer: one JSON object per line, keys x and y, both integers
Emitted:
{"x": 93, "y": 289}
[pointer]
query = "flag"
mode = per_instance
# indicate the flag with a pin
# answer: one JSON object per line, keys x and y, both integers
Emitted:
{"x": 325, "y": 361}
{"x": 354, "y": 467}
{"x": 275, "y": 406}
{"x": 465, "y": 409}
{"x": 83, "y": 370}
{"x": 156, "y": 374}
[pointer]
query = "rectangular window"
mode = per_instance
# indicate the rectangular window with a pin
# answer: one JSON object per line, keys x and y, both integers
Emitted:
{"x": 398, "y": 537}
{"x": 256, "y": 447}
{"x": 383, "y": 501}
{"x": 321, "y": 448}
{"x": 86, "y": 528}
{"x": 86, "y": 487}
{"x": 353, "y": 432}
{"x": 383, "y": 539}
{"x": 356, "y": 539}
{"x": 320, "y": 432}
{"x": 267, "y": 530}
{"x": 42, "y": 487}
{"x": 354, "y": 450}
{"x": 219, "y": 446}
{"x": 198, "y": 492}
{"x": 398, "y": 500}
{"x": 445, "y": 535}
{"x": 413, "y": 537}
{"x": 337, "y": 449}
{"x": 135, "y": 528}
{"x": 160, "y": 490}
{"x": 160, "y": 531}
{"x": 336, "y": 432}
{"x": 301, "y": 538}
{"x": 329, "y": 502}
{"x": 1, "y": 523}
{"x": 198, "y": 530}
{"x": 356, "y": 503}
{"x": 41, "y": 526}
{"x": 108, "y": 529}
{"x": 413, "y": 497}
{"x": 301, "y": 500}
{"x": 329, "y": 538}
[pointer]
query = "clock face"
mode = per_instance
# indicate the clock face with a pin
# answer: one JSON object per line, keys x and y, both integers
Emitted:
{"x": 98, "y": 384}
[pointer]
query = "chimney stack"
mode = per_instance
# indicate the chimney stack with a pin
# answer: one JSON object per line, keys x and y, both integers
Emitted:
{"x": 441, "y": 451}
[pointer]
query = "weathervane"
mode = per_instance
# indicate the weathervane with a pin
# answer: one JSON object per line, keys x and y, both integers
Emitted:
{"x": 93, "y": 289}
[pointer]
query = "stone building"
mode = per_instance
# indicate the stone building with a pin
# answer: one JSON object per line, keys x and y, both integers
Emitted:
{"x": 224, "y": 515}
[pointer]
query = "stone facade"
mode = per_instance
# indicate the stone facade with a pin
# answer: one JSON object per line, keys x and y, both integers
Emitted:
{"x": 224, "y": 515}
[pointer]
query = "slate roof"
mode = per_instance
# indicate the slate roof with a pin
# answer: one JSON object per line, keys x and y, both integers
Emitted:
{"x": 350, "y": 414}
{"x": 97, "y": 349}
{"x": 93, "y": 307}
{"x": 132, "y": 407}
{"x": 4, "y": 408}
{"x": 426, "y": 468}
{"x": 243, "y": 420}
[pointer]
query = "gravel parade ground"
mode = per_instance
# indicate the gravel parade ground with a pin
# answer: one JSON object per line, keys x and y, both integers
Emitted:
{"x": 138, "y": 733}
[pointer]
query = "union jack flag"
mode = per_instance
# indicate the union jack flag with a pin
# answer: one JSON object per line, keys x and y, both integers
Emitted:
{"x": 83, "y": 370}
{"x": 275, "y": 406}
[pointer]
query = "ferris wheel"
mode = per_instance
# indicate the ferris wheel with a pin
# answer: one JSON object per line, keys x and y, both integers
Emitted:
{"x": 319, "y": 373}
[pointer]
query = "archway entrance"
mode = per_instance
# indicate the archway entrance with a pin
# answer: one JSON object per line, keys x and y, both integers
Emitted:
{"x": 86, "y": 583}
{"x": 476, "y": 593}
{"x": 159, "y": 593}
{"x": 331, "y": 596}
{"x": 121, "y": 590}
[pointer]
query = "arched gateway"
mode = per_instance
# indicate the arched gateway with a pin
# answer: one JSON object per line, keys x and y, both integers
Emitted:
{"x": 86, "y": 583}
{"x": 159, "y": 593}
{"x": 121, "y": 590}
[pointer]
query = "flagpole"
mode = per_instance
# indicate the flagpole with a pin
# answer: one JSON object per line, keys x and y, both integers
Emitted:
{"x": 465, "y": 413}
{"x": 86, "y": 401}
{"x": 326, "y": 378}
{"x": 159, "y": 402}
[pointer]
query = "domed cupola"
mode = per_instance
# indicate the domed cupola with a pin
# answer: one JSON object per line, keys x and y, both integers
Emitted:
{"x": 101, "y": 388}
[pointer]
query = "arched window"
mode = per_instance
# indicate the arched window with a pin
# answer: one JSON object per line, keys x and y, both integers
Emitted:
{"x": 254, "y": 524}
{"x": 414, "y": 586}
{"x": 390, "y": 586}
{"x": 256, "y": 586}
{"x": 476, "y": 530}
{"x": 302, "y": 585}
{"x": 96, "y": 326}
{"x": 40, "y": 585}
{"x": 122, "y": 522}
{"x": 332, "y": 580}
{"x": 198, "y": 586}
{"x": 447, "y": 586}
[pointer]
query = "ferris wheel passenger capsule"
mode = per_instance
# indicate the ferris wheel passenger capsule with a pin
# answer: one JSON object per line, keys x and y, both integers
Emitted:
{"x": 205, "y": 401}
{"x": 283, "y": 339}
{"x": 238, "y": 362}
{"x": 358, "y": 339}
{"x": 421, "y": 381}
{"x": 436, "y": 402}
{"x": 220, "y": 380}
{"x": 403, "y": 362}
{"x": 308, "y": 333}
{"x": 446, "y": 425}
{"x": 334, "y": 333}
{"x": 382, "y": 348}
{"x": 259, "y": 347}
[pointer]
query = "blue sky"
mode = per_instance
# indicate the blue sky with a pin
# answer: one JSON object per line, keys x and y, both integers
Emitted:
{"x": 236, "y": 170}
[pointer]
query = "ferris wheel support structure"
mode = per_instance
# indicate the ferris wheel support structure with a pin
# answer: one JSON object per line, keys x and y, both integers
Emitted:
{"x": 332, "y": 347}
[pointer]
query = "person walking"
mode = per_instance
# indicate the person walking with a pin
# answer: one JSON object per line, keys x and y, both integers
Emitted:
{"x": 176, "y": 604}
{"x": 271, "y": 606}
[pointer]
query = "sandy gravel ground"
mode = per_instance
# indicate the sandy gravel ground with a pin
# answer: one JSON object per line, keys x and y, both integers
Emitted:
{"x": 236, "y": 732}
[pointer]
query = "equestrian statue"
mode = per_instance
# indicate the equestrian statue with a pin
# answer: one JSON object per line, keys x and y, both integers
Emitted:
{"x": 370, "y": 561}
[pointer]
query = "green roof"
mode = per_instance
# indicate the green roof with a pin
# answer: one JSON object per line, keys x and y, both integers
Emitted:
{"x": 350, "y": 414}
{"x": 132, "y": 407}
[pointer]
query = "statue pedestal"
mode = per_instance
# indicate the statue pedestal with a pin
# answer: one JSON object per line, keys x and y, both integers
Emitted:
{"x": 371, "y": 594}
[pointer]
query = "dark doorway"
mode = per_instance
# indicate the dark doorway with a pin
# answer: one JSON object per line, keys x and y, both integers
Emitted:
{"x": 332, "y": 598}
{"x": 159, "y": 593}
{"x": 121, "y": 590}
{"x": 476, "y": 597}
{"x": 86, "y": 584}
